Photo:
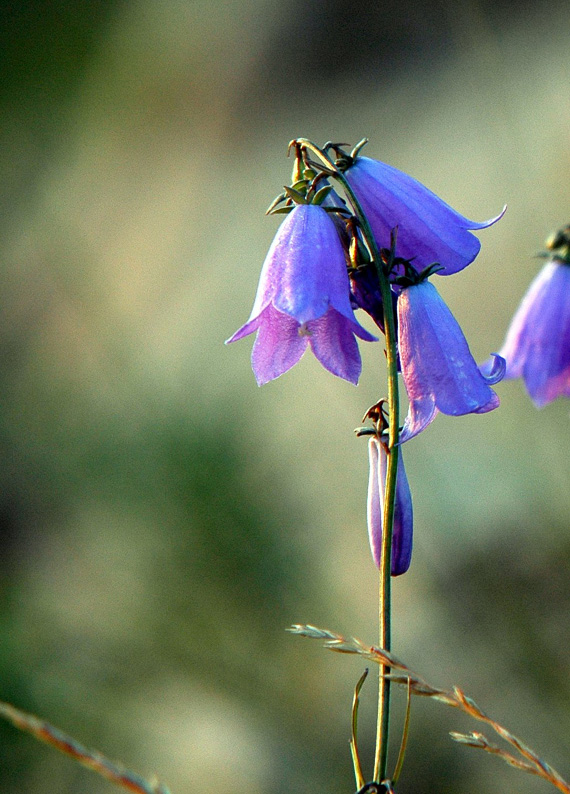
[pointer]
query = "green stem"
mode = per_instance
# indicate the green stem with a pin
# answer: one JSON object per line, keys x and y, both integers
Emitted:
{"x": 385, "y": 601}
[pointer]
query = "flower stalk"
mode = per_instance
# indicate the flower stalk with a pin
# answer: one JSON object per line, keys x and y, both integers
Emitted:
{"x": 385, "y": 589}
{"x": 385, "y": 599}
{"x": 328, "y": 259}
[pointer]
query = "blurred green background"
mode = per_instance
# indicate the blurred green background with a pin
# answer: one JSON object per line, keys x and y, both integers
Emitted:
{"x": 163, "y": 519}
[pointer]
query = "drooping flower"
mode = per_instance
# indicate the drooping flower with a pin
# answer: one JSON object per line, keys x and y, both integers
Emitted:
{"x": 303, "y": 298}
{"x": 537, "y": 346}
{"x": 429, "y": 230}
{"x": 438, "y": 369}
{"x": 403, "y": 515}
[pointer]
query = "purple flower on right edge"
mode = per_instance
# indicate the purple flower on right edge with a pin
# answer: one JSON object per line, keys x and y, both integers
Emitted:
{"x": 537, "y": 345}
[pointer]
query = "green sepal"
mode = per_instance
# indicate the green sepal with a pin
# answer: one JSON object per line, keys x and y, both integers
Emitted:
{"x": 321, "y": 195}
{"x": 301, "y": 186}
{"x": 430, "y": 270}
{"x": 411, "y": 278}
{"x": 295, "y": 195}
{"x": 340, "y": 210}
{"x": 282, "y": 210}
{"x": 276, "y": 201}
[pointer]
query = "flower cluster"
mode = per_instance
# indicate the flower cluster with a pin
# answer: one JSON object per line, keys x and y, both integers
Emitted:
{"x": 323, "y": 265}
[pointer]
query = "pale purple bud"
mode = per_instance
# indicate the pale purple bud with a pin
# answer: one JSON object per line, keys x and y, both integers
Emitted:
{"x": 402, "y": 534}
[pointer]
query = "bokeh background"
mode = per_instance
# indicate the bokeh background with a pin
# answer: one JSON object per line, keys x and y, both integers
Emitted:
{"x": 163, "y": 519}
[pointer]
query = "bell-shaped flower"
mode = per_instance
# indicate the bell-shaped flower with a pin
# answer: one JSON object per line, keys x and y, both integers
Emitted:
{"x": 303, "y": 299}
{"x": 537, "y": 346}
{"x": 402, "y": 534}
{"x": 438, "y": 369}
{"x": 429, "y": 230}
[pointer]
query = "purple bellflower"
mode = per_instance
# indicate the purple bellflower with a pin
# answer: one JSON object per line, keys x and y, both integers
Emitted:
{"x": 403, "y": 515}
{"x": 303, "y": 299}
{"x": 438, "y": 369}
{"x": 537, "y": 346}
{"x": 429, "y": 230}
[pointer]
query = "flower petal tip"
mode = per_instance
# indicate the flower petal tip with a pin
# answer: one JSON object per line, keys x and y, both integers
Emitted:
{"x": 494, "y": 369}
{"x": 491, "y": 221}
